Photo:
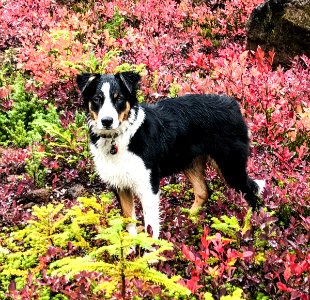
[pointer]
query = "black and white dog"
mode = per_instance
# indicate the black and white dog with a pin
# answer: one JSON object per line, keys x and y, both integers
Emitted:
{"x": 135, "y": 145}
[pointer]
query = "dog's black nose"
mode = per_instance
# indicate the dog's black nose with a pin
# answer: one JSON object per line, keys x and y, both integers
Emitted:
{"x": 107, "y": 121}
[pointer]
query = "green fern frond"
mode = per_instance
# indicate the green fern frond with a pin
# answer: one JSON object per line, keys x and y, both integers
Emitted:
{"x": 70, "y": 266}
{"x": 91, "y": 218}
{"x": 131, "y": 269}
{"x": 145, "y": 242}
{"x": 236, "y": 295}
{"x": 247, "y": 221}
{"x": 108, "y": 286}
{"x": 15, "y": 272}
{"x": 159, "y": 278}
{"x": 90, "y": 203}
{"x": 229, "y": 225}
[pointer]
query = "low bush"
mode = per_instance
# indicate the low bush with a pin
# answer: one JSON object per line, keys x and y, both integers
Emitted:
{"x": 60, "y": 243}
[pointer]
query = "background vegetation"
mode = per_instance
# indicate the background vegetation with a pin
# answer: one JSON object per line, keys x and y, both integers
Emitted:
{"x": 61, "y": 235}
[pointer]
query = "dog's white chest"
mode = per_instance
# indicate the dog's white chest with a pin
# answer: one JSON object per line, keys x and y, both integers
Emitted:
{"x": 121, "y": 170}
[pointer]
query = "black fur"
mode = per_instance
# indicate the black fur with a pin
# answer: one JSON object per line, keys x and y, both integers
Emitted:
{"x": 176, "y": 131}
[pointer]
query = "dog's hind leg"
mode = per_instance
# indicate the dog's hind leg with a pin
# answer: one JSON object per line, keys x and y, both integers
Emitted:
{"x": 126, "y": 199}
{"x": 232, "y": 167}
{"x": 196, "y": 176}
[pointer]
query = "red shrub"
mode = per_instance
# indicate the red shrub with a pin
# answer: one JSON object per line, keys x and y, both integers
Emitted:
{"x": 22, "y": 22}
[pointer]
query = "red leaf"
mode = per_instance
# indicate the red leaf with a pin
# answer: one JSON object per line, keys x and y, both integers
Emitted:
{"x": 55, "y": 179}
{"x": 192, "y": 284}
{"x": 281, "y": 286}
{"x": 205, "y": 242}
{"x": 259, "y": 54}
{"x": 287, "y": 274}
{"x": 247, "y": 254}
{"x": 187, "y": 253}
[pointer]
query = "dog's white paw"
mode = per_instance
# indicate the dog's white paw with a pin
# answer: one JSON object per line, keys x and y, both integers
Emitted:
{"x": 261, "y": 185}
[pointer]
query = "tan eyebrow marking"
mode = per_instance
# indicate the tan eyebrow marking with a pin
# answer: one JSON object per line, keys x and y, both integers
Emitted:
{"x": 92, "y": 114}
{"x": 123, "y": 116}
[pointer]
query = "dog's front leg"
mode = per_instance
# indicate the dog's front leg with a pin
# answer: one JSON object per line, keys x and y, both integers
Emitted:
{"x": 150, "y": 205}
{"x": 126, "y": 199}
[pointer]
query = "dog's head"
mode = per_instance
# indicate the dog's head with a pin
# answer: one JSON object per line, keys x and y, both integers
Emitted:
{"x": 108, "y": 99}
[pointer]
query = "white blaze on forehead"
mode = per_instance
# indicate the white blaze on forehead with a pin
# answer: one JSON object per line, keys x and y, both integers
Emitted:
{"x": 107, "y": 109}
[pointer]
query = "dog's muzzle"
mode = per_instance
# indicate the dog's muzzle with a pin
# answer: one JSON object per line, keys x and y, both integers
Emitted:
{"x": 107, "y": 122}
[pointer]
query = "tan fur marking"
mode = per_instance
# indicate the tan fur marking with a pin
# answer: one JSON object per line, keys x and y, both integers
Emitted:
{"x": 124, "y": 114}
{"x": 92, "y": 114}
{"x": 217, "y": 169}
{"x": 127, "y": 203}
{"x": 196, "y": 175}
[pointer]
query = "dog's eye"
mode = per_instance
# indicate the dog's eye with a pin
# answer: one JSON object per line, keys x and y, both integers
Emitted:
{"x": 96, "y": 100}
{"x": 117, "y": 98}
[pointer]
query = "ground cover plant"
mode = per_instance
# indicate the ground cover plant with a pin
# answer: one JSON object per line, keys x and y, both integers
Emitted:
{"x": 61, "y": 236}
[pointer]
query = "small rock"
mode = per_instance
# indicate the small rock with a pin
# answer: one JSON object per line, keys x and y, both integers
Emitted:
{"x": 38, "y": 196}
{"x": 28, "y": 205}
{"x": 76, "y": 191}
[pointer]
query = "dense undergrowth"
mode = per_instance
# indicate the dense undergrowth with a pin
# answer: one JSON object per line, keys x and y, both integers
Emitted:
{"x": 67, "y": 247}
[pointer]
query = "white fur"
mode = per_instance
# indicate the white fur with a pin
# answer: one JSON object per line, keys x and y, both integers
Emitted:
{"x": 261, "y": 185}
{"x": 150, "y": 204}
{"x": 107, "y": 109}
{"x": 125, "y": 170}
{"x": 131, "y": 227}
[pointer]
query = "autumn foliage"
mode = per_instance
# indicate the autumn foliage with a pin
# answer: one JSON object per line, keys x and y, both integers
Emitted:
{"x": 179, "y": 47}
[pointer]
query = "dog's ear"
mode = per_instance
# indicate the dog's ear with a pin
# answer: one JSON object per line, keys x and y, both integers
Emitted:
{"x": 85, "y": 80}
{"x": 130, "y": 80}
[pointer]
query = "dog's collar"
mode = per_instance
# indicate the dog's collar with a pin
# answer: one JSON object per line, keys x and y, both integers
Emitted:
{"x": 113, "y": 136}
{"x": 114, "y": 147}
{"x": 109, "y": 136}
